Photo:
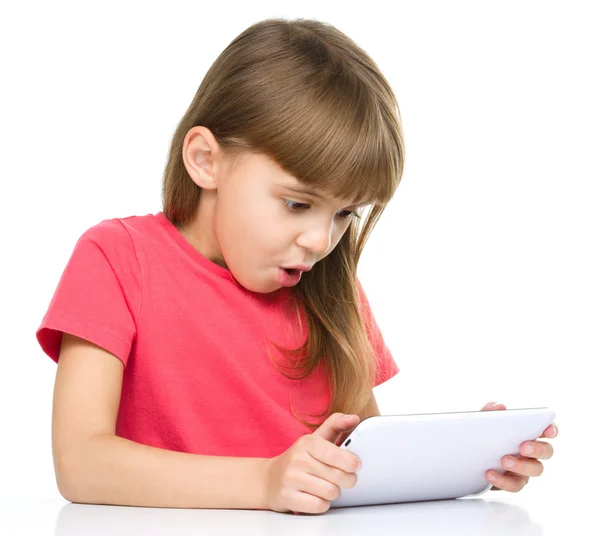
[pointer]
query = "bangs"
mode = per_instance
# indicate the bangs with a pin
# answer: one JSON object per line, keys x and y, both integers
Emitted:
{"x": 339, "y": 138}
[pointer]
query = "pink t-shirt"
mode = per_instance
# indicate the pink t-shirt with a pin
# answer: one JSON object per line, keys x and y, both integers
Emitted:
{"x": 197, "y": 377}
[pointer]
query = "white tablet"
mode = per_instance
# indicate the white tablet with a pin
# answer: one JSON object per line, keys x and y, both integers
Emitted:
{"x": 432, "y": 456}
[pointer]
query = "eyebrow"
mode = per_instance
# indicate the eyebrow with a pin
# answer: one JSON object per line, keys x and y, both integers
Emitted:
{"x": 307, "y": 191}
{"x": 302, "y": 190}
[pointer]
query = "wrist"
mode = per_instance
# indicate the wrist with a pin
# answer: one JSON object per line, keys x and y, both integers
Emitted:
{"x": 262, "y": 478}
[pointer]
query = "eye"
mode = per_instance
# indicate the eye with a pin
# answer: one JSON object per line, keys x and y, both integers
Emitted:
{"x": 297, "y": 207}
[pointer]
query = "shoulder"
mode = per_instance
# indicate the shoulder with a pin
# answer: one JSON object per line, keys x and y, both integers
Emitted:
{"x": 106, "y": 232}
{"x": 106, "y": 250}
{"x": 112, "y": 239}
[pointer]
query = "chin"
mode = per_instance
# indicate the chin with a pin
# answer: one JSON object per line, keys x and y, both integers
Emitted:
{"x": 261, "y": 290}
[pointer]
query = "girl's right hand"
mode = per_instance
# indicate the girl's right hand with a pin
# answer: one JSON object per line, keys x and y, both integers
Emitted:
{"x": 308, "y": 476}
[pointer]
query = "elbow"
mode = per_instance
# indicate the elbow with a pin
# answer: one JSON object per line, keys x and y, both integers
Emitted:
{"x": 68, "y": 489}
{"x": 65, "y": 492}
{"x": 69, "y": 480}
{"x": 72, "y": 490}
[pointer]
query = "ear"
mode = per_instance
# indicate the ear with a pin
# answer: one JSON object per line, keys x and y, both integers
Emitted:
{"x": 202, "y": 157}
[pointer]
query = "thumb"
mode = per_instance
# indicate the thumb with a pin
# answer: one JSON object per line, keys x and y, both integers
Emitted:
{"x": 493, "y": 406}
{"x": 336, "y": 424}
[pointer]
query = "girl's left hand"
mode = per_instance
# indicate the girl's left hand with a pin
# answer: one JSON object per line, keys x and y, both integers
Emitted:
{"x": 525, "y": 465}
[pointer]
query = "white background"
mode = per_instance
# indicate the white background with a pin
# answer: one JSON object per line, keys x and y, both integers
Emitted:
{"x": 483, "y": 273}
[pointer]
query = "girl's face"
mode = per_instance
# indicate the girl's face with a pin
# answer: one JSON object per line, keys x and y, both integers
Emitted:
{"x": 250, "y": 221}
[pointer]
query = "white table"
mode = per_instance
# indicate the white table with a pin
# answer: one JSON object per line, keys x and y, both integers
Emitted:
{"x": 536, "y": 510}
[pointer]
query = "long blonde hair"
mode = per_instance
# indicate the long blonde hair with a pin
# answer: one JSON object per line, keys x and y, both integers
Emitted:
{"x": 304, "y": 94}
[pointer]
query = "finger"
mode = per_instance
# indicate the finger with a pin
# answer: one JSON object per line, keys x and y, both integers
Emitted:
{"x": 491, "y": 406}
{"x": 523, "y": 466}
{"x": 319, "y": 487}
{"x": 507, "y": 481}
{"x": 537, "y": 449}
{"x": 336, "y": 424}
{"x": 329, "y": 454}
{"x": 331, "y": 474}
{"x": 308, "y": 503}
{"x": 551, "y": 431}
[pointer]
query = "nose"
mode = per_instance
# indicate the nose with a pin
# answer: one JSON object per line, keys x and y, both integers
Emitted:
{"x": 318, "y": 241}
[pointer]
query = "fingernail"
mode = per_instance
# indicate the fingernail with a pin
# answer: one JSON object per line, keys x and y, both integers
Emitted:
{"x": 509, "y": 462}
{"x": 554, "y": 431}
{"x": 492, "y": 477}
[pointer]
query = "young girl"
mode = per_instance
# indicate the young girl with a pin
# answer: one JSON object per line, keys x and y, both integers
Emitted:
{"x": 215, "y": 354}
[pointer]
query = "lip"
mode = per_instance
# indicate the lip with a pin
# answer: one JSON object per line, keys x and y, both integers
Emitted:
{"x": 299, "y": 267}
{"x": 286, "y": 279}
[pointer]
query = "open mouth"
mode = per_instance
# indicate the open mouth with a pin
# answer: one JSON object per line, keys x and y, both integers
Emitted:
{"x": 289, "y": 276}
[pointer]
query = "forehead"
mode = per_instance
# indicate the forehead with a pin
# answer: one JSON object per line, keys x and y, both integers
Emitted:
{"x": 277, "y": 177}
{"x": 289, "y": 183}
{"x": 293, "y": 185}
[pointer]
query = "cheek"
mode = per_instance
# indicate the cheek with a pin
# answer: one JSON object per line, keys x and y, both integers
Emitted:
{"x": 271, "y": 235}
{"x": 335, "y": 240}
{"x": 254, "y": 234}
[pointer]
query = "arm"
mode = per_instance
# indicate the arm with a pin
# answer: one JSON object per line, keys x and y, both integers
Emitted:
{"x": 112, "y": 470}
{"x": 93, "y": 465}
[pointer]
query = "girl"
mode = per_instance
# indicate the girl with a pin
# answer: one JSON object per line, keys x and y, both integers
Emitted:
{"x": 215, "y": 354}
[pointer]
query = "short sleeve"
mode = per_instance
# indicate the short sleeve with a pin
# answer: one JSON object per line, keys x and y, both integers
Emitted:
{"x": 386, "y": 365}
{"x": 98, "y": 295}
